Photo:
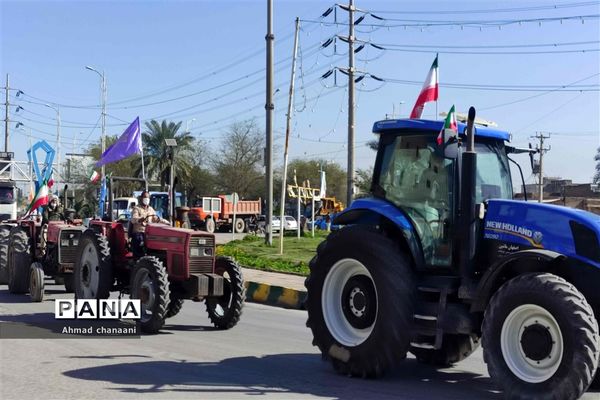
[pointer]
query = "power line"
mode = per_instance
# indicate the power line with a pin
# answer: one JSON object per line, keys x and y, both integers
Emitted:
{"x": 493, "y": 10}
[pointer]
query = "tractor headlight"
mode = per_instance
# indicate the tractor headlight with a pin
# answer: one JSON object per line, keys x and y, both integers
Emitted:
{"x": 75, "y": 242}
{"x": 64, "y": 242}
{"x": 194, "y": 252}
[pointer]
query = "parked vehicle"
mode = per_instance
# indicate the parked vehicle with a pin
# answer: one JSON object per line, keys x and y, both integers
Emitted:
{"x": 290, "y": 223}
{"x": 8, "y": 200}
{"x": 214, "y": 213}
{"x": 419, "y": 268}
{"x": 123, "y": 206}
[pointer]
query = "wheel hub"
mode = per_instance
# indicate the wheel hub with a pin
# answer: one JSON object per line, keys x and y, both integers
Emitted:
{"x": 536, "y": 342}
{"x": 359, "y": 303}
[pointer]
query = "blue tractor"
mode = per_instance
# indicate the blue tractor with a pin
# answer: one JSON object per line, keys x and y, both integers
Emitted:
{"x": 441, "y": 258}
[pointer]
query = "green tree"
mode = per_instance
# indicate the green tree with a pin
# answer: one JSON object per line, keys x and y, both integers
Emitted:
{"x": 237, "y": 164}
{"x": 156, "y": 152}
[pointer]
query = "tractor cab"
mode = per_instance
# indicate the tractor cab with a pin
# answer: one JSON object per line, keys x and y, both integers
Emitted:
{"x": 419, "y": 173}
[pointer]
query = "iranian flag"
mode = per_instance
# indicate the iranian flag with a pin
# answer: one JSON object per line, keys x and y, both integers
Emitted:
{"x": 40, "y": 199}
{"x": 94, "y": 177}
{"x": 429, "y": 92}
{"x": 449, "y": 123}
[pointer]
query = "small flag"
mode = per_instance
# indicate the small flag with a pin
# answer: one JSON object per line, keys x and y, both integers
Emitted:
{"x": 449, "y": 123}
{"x": 429, "y": 92}
{"x": 128, "y": 144}
{"x": 95, "y": 177}
{"x": 40, "y": 199}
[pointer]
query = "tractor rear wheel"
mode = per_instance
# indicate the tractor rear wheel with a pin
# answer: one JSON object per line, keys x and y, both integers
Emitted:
{"x": 4, "y": 239}
{"x": 209, "y": 225}
{"x": 150, "y": 284}
{"x": 19, "y": 260}
{"x": 455, "y": 348}
{"x": 92, "y": 275}
{"x": 540, "y": 338}
{"x": 36, "y": 282}
{"x": 360, "y": 301}
{"x": 239, "y": 225}
{"x": 225, "y": 311}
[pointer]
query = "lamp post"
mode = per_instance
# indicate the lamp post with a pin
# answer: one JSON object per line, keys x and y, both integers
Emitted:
{"x": 189, "y": 123}
{"x": 58, "y": 170}
{"x": 171, "y": 144}
{"x": 103, "y": 115}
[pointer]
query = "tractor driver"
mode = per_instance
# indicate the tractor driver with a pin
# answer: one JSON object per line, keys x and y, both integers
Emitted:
{"x": 141, "y": 215}
{"x": 53, "y": 211}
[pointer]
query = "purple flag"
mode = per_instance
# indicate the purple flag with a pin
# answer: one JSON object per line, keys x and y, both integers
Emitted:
{"x": 128, "y": 144}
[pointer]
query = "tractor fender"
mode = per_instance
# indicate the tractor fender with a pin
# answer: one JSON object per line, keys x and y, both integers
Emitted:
{"x": 390, "y": 219}
{"x": 524, "y": 261}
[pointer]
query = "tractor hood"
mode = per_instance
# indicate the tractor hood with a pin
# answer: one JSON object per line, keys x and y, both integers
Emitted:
{"x": 166, "y": 237}
{"x": 520, "y": 225}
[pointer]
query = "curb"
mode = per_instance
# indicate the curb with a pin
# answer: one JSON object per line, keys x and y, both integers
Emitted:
{"x": 275, "y": 295}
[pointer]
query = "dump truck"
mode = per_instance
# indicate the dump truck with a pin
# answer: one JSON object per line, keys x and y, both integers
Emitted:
{"x": 441, "y": 259}
{"x": 216, "y": 213}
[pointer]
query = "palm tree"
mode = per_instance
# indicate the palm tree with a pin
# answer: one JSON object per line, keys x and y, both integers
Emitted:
{"x": 156, "y": 152}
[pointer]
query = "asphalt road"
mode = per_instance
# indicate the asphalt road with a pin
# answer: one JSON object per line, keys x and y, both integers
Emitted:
{"x": 268, "y": 354}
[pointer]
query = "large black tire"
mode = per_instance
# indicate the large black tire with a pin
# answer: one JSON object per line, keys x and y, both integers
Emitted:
{"x": 36, "y": 282}
{"x": 92, "y": 275}
{"x": 150, "y": 284}
{"x": 69, "y": 282}
{"x": 209, "y": 225}
{"x": 239, "y": 226}
{"x": 225, "y": 311}
{"x": 175, "y": 305}
{"x": 362, "y": 283}
{"x": 19, "y": 260}
{"x": 455, "y": 348}
{"x": 4, "y": 240}
{"x": 540, "y": 339}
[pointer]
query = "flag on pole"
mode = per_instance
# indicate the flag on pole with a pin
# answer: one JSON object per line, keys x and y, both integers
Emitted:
{"x": 127, "y": 145}
{"x": 449, "y": 123}
{"x": 40, "y": 199}
{"x": 429, "y": 92}
{"x": 94, "y": 177}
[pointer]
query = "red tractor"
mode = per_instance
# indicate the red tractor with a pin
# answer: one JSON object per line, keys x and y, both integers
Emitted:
{"x": 35, "y": 250}
{"x": 179, "y": 264}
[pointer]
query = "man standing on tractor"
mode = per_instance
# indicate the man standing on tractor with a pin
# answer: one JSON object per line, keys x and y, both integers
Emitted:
{"x": 141, "y": 215}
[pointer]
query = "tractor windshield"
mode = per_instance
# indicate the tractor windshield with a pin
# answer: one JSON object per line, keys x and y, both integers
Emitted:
{"x": 415, "y": 176}
{"x": 493, "y": 172}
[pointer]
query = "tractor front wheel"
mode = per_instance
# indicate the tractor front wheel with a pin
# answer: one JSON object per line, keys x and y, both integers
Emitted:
{"x": 92, "y": 276}
{"x": 540, "y": 338}
{"x": 36, "y": 282}
{"x": 360, "y": 301}
{"x": 225, "y": 311}
{"x": 150, "y": 284}
{"x": 19, "y": 260}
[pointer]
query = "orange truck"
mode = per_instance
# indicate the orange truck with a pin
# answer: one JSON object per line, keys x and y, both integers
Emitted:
{"x": 216, "y": 213}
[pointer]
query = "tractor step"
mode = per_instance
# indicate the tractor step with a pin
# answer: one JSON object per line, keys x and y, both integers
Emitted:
{"x": 425, "y": 317}
{"x": 435, "y": 284}
{"x": 423, "y": 345}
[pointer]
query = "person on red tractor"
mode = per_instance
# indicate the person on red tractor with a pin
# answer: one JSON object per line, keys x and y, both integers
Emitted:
{"x": 141, "y": 215}
{"x": 53, "y": 211}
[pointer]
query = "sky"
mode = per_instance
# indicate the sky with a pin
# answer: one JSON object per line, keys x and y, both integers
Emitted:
{"x": 529, "y": 66}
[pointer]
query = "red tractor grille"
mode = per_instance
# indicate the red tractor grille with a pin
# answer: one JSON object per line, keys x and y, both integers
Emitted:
{"x": 69, "y": 240}
{"x": 201, "y": 265}
{"x": 201, "y": 254}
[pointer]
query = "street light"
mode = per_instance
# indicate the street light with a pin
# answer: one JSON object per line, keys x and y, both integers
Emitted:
{"x": 189, "y": 123}
{"x": 103, "y": 101}
{"x": 57, "y": 136}
{"x": 171, "y": 144}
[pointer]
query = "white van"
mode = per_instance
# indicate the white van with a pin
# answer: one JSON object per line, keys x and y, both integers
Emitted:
{"x": 123, "y": 206}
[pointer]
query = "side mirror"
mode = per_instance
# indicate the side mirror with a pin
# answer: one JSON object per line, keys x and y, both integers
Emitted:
{"x": 450, "y": 144}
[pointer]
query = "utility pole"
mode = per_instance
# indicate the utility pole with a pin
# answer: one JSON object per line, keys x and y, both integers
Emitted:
{"x": 6, "y": 120}
{"x": 269, "y": 106}
{"x": 288, "y": 128}
{"x": 350, "y": 179}
{"x": 541, "y": 150}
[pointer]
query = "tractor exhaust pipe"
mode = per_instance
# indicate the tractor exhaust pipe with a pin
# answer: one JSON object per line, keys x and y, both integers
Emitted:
{"x": 467, "y": 210}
